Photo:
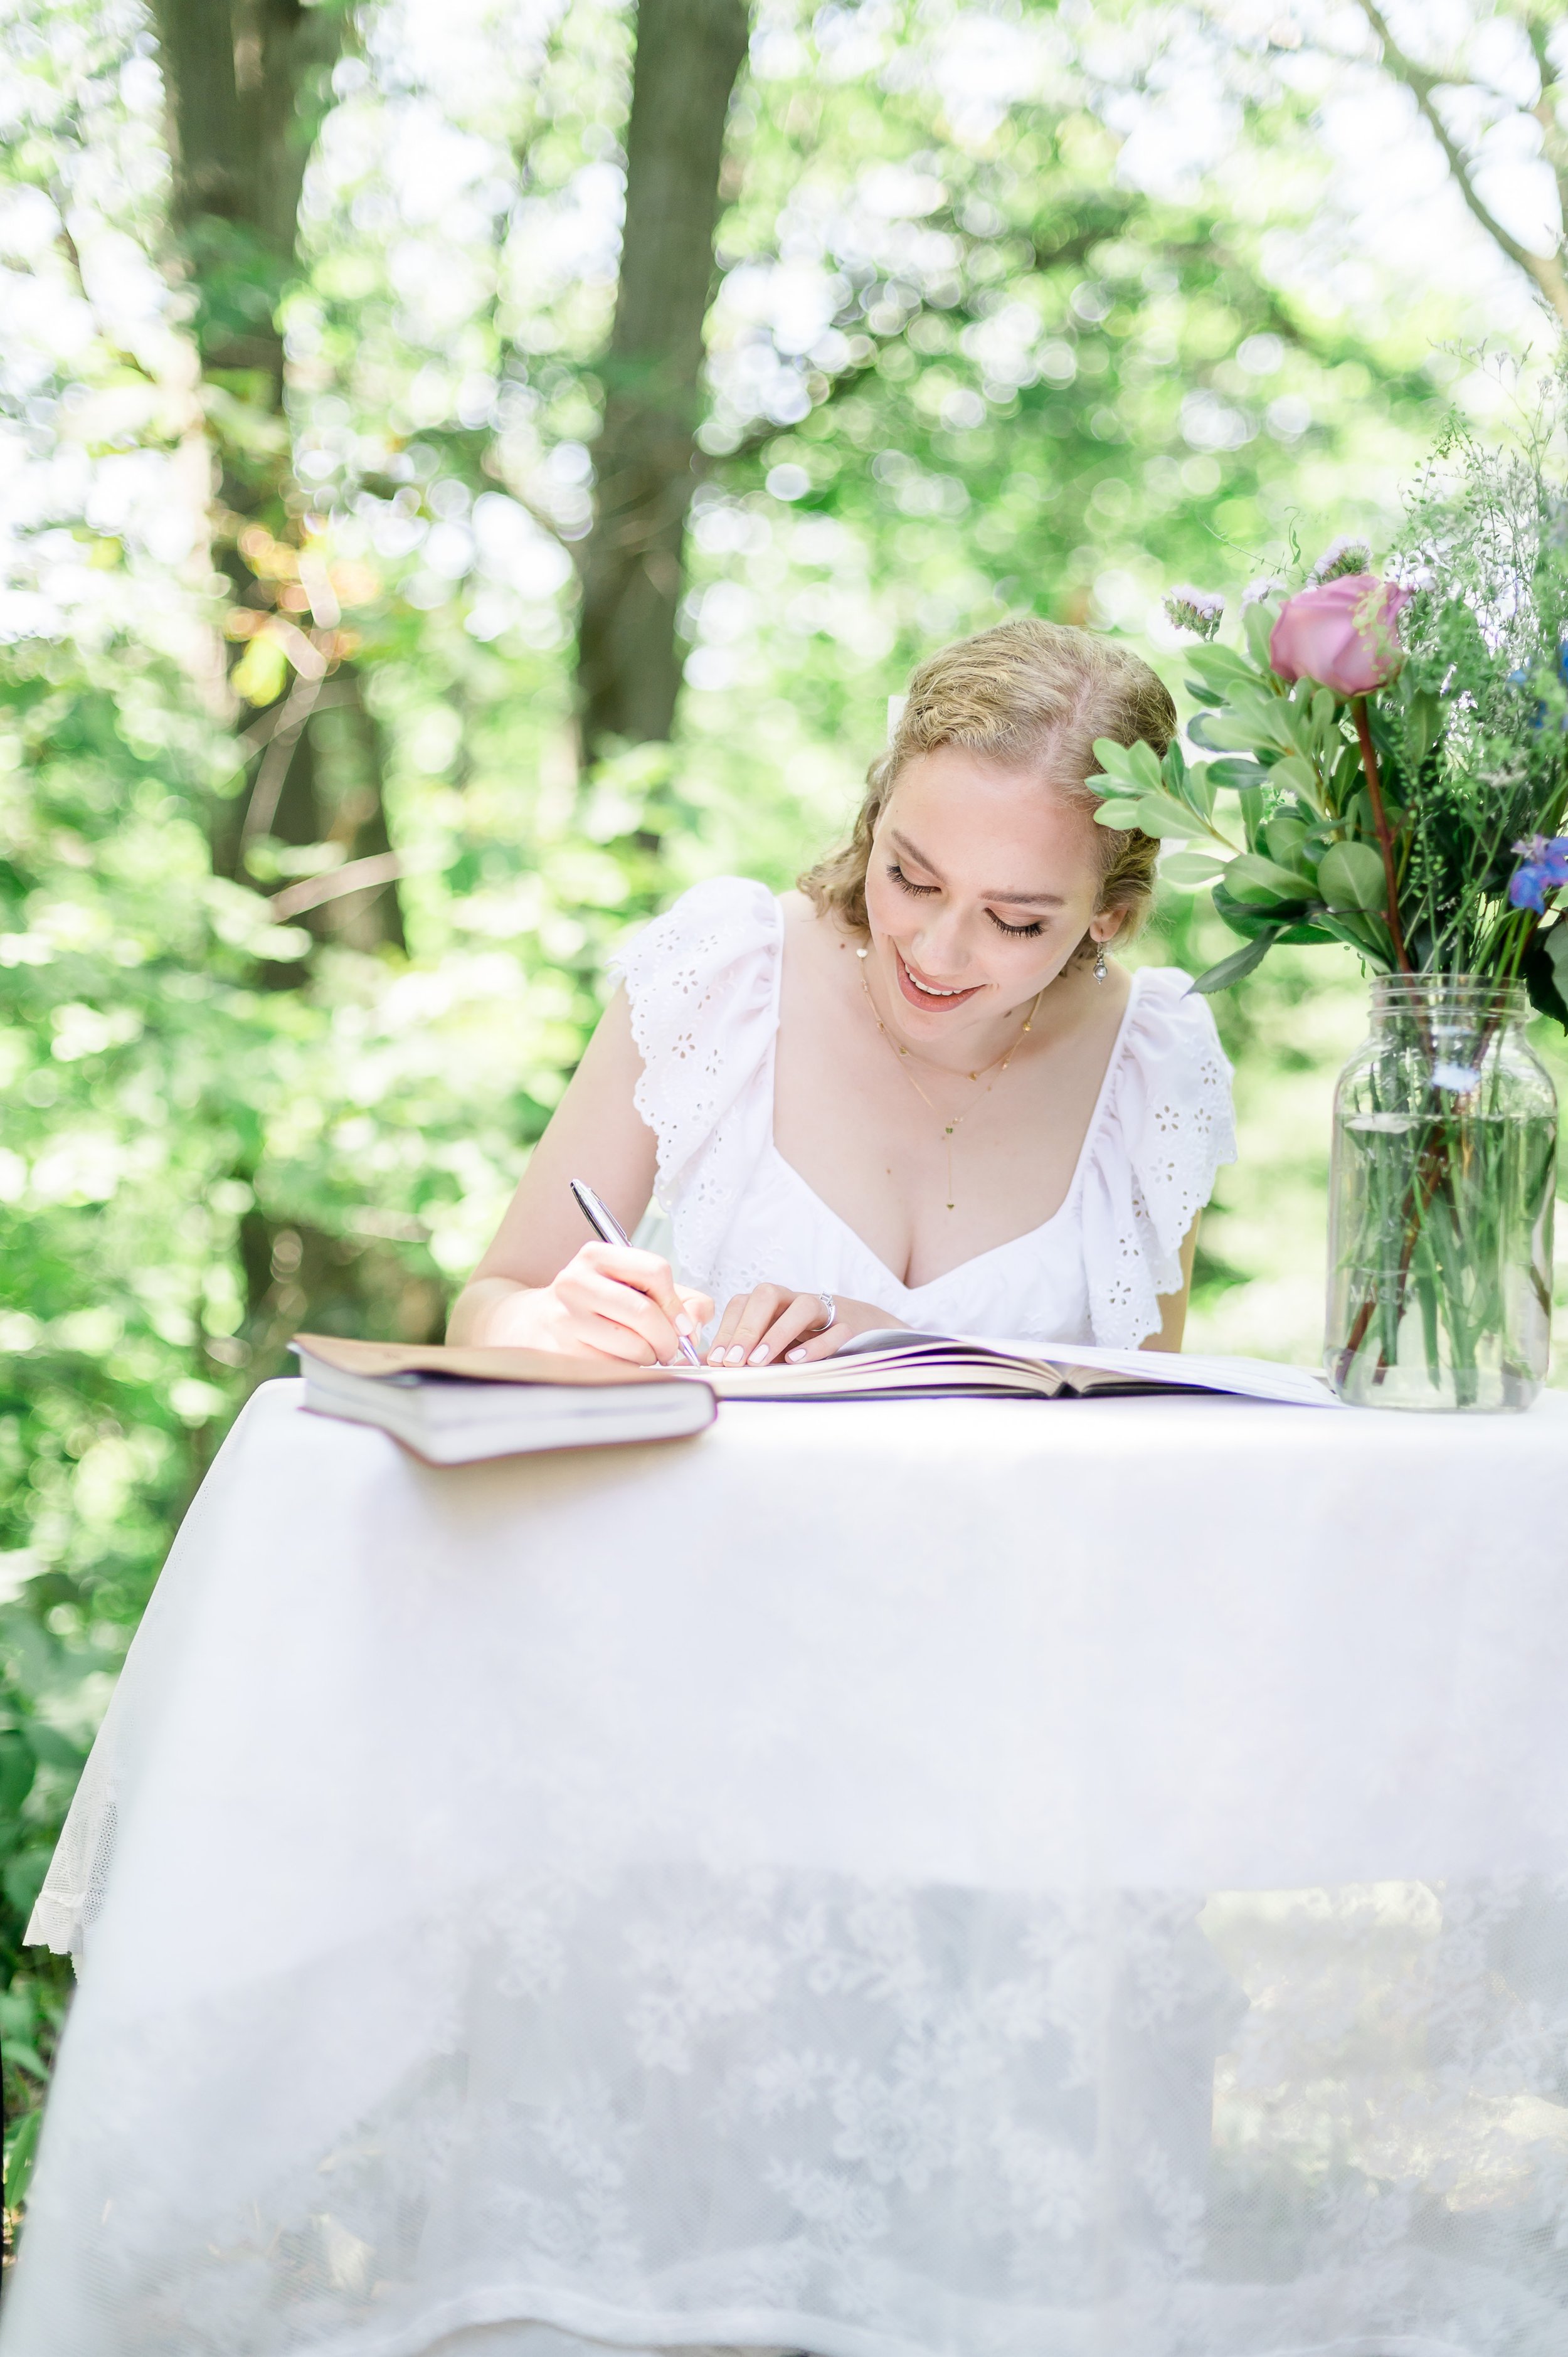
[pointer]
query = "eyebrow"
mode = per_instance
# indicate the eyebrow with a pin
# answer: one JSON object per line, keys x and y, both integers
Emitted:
{"x": 1011, "y": 899}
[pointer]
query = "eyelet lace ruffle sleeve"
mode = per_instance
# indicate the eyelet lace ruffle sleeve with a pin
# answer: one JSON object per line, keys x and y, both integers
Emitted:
{"x": 702, "y": 985}
{"x": 1164, "y": 1130}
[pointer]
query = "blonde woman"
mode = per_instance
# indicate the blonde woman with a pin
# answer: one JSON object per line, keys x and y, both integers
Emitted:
{"x": 916, "y": 1092}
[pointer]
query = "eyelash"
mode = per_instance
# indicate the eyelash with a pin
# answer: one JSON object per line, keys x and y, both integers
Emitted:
{"x": 1013, "y": 932}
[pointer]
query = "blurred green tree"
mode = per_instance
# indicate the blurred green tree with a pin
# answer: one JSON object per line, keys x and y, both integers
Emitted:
{"x": 307, "y": 516}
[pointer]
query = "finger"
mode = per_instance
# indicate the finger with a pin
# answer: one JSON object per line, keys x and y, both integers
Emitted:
{"x": 727, "y": 1325}
{"x": 647, "y": 1272}
{"x": 589, "y": 1293}
{"x": 726, "y": 1339}
{"x": 799, "y": 1318}
{"x": 696, "y": 1308}
{"x": 759, "y": 1310}
{"x": 609, "y": 1340}
{"x": 824, "y": 1345}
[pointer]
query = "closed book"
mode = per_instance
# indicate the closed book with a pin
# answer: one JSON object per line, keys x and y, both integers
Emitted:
{"x": 456, "y": 1406}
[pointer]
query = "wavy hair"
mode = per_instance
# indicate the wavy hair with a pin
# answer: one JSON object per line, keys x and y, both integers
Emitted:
{"x": 1026, "y": 691}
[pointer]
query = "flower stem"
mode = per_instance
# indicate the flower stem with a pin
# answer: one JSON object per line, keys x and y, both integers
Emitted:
{"x": 1381, "y": 821}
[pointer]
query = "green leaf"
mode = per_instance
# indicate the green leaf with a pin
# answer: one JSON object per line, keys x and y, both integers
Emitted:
{"x": 1234, "y": 731}
{"x": 1257, "y": 625}
{"x": 1236, "y": 775}
{"x": 1190, "y": 868}
{"x": 1544, "y": 971}
{"x": 19, "y": 2155}
{"x": 1554, "y": 941}
{"x": 1132, "y": 765}
{"x": 1423, "y": 723}
{"x": 1285, "y": 836}
{"x": 1252, "y": 878}
{"x": 1117, "y": 814}
{"x": 1296, "y": 775}
{"x": 1159, "y": 815}
{"x": 1220, "y": 669}
{"x": 1351, "y": 876}
{"x": 18, "y": 1766}
{"x": 1239, "y": 963}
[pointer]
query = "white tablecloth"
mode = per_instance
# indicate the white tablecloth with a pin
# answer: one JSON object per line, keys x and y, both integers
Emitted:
{"x": 975, "y": 1879}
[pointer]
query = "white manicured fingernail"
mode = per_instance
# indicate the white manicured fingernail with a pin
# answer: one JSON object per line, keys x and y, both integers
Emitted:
{"x": 798, "y": 1353}
{"x": 734, "y": 1355}
{"x": 683, "y": 1325}
{"x": 716, "y": 1358}
{"x": 760, "y": 1357}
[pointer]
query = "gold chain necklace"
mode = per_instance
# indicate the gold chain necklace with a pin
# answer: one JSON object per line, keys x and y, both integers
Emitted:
{"x": 998, "y": 1065}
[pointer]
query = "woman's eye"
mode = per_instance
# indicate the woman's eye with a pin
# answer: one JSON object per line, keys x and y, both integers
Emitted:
{"x": 1019, "y": 932}
{"x": 896, "y": 873}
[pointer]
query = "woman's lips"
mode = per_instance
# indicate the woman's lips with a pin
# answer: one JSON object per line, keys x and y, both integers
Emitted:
{"x": 936, "y": 1001}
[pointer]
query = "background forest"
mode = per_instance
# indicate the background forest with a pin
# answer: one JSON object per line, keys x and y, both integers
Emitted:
{"x": 468, "y": 468}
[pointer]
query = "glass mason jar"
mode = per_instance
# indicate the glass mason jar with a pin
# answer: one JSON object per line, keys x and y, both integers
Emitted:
{"x": 1440, "y": 1203}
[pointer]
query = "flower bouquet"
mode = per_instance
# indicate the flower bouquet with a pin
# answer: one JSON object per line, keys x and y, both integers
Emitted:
{"x": 1392, "y": 751}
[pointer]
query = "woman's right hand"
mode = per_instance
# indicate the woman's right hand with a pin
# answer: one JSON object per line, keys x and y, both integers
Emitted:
{"x": 609, "y": 1300}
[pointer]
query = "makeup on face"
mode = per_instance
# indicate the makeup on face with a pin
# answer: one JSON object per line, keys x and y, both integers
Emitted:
{"x": 982, "y": 882}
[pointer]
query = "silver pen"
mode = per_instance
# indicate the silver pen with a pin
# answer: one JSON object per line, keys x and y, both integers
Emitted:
{"x": 608, "y": 1230}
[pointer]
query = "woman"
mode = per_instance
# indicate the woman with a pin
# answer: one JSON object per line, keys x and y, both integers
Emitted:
{"x": 915, "y": 1092}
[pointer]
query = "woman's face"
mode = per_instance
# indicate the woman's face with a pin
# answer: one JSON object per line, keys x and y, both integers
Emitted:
{"x": 982, "y": 884}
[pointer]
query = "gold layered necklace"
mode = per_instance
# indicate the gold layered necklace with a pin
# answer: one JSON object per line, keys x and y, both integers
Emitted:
{"x": 994, "y": 1072}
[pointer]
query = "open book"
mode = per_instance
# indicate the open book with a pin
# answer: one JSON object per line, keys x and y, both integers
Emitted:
{"x": 455, "y": 1406}
{"x": 893, "y": 1363}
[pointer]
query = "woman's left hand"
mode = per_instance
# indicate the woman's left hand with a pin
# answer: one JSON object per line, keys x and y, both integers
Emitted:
{"x": 774, "y": 1321}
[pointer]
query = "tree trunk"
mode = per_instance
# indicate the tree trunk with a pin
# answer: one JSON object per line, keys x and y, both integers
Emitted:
{"x": 629, "y": 673}
{"x": 248, "y": 84}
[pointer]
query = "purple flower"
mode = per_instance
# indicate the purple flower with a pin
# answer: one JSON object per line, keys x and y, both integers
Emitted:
{"x": 1545, "y": 870}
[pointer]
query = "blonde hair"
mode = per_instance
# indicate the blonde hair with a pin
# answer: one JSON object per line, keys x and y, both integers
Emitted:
{"x": 1026, "y": 691}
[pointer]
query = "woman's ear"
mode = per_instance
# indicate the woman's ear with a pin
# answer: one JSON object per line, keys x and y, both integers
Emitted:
{"x": 1106, "y": 926}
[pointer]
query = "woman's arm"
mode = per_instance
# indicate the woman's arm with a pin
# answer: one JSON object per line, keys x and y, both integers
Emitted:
{"x": 542, "y": 1283}
{"x": 1173, "y": 1306}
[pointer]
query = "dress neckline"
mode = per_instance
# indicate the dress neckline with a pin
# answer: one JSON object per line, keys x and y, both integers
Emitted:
{"x": 1009, "y": 1243}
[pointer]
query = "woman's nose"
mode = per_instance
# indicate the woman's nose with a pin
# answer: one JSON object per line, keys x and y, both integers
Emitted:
{"x": 942, "y": 947}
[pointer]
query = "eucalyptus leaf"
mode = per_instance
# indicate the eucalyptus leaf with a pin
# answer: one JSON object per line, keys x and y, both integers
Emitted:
{"x": 1117, "y": 812}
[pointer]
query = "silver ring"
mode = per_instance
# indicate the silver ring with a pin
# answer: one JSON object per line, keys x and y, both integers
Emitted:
{"x": 829, "y": 1311}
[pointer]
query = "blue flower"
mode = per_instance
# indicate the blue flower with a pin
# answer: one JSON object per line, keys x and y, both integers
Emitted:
{"x": 1521, "y": 679}
{"x": 1545, "y": 870}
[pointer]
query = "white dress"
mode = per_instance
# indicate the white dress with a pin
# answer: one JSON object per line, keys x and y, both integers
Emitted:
{"x": 703, "y": 986}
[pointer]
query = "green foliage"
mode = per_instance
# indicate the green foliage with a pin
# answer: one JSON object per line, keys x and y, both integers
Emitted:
{"x": 958, "y": 369}
{"x": 1468, "y": 741}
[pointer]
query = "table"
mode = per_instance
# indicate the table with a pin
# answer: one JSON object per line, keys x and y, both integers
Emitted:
{"x": 944, "y": 1880}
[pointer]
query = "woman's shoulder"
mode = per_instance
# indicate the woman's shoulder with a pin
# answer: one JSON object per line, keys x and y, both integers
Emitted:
{"x": 720, "y": 917}
{"x": 1166, "y": 1127}
{"x": 1169, "y": 1095}
{"x": 1168, "y": 1020}
{"x": 701, "y": 987}
{"x": 704, "y": 946}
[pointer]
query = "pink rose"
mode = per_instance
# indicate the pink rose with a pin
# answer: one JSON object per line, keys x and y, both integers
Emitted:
{"x": 1343, "y": 635}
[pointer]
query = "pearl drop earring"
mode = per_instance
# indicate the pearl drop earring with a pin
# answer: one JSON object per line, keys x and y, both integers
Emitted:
{"x": 1098, "y": 961}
